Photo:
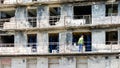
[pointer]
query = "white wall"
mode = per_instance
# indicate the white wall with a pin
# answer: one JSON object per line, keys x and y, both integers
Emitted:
{"x": 18, "y": 63}
{"x": 98, "y": 38}
{"x": 42, "y": 62}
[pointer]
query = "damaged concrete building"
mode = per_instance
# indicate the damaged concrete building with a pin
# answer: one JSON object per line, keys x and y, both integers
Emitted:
{"x": 44, "y": 33}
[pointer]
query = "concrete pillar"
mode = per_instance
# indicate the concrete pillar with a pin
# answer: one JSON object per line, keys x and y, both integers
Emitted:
{"x": 98, "y": 10}
{"x": 119, "y": 8}
{"x": 67, "y": 10}
{"x": 42, "y": 16}
{"x": 115, "y": 62}
{"x": 21, "y": 17}
{"x": 69, "y": 37}
{"x": 20, "y": 39}
{"x": 18, "y": 63}
{"x": 65, "y": 39}
{"x": 96, "y": 62}
{"x": 42, "y": 39}
{"x": 67, "y": 62}
{"x": 98, "y": 13}
{"x": 42, "y": 62}
{"x": 98, "y": 38}
{"x": 66, "y": 13}
{"x": 119, "y": 36}
{"x": 21, "y": 12}
{"x": 62, "y": 41}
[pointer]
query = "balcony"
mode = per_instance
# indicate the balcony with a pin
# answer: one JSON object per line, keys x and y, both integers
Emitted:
{"x": 109, "y": 19}
{"x": 56, "y": 22}
{"x": 57, "y": 48}
{"x": 11, "y": 2}
{"x": 79, "y": 20}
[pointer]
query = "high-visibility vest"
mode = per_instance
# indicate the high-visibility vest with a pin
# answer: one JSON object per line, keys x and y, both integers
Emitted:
{"x": 81, "y": 40}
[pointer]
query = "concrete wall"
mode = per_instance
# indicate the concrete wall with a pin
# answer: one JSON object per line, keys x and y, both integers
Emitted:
{"x": 119, "y": 35}
{"x": 65, "y": 40}
{"x": 18, "y": 63}
{"x": 98, "y": 10}
{"x": 42, "y": 62}
{"x": 42, "y": 40}
{"x": 21, "y": 18}
{"x": 67, "y": 62}
{"x": 119, "y": 8}
{"x": 43, "y": 16}
{"x": 101, "y": 62}
{"x": 20, "y": 39}
{"x": 98, "y": 39}
{"x": 99, "y": 15}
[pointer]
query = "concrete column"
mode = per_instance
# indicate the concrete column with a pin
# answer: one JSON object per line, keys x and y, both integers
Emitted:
{"x": 42, "y": 39}
{"x": 69, "y": 37}
{"x": 42, "y": 16}
{"x": 42, "y": 62}
{"x": 119, "y": 36}
{"x": 21, "y": 12}
{"x": 119, "y": 8}
{"x": 98, "y": 13}
{"x": 62, "y": 41}
{"x": 65, "y": 39}
{"x": 98, "y": 10}
{"x": 114, "y": 62}
{"x": 66, "y": 13}
{"x": 98, "y": 38}
{"x": 21, "y": 18}
{"x": 18, "y": 63}
{"x": 20, "y": 39}
{"x": 67, "y": 10}
{"x": 96, "y": 62}
{"x": 67, "y": 62}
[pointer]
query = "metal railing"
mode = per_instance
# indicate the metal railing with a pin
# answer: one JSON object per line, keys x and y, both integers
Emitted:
{"x": 78, "y": 20}
{"x": 57, "y": 47}
{"x": 2, "y": 21}
{"x": 55, "y": 21}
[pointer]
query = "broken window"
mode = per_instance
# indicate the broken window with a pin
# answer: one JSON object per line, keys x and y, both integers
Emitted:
{"x": 6, "y": 16}
{"x": 87, "y": 39}
{"x": 7, "y": 41}
{"x": 111, "y": 37}
{"x": 54, "y": 15}
{"x": 32, "y": 40}
{"x": 112, "y": 10}
{"x": 32, "y": 14}
{"x": 53, "y": 42}
{"x": 82, "y": 12}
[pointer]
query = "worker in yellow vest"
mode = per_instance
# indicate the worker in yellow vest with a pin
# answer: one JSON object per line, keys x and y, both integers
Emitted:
{"x": 80, "y": 43}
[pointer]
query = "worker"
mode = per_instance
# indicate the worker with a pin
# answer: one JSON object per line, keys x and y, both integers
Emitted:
{"x": 80, "y": 43}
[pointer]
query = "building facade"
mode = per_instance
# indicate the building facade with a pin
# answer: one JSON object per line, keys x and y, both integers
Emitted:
{"x": 44, "y": 33}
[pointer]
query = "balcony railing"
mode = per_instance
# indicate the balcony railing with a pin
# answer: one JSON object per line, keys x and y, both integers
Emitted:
{"x": 78, "y": 20}
{"x": 56, "y": 21}
{"x": 9, "y": 2}
{"x": 57, "y": 48}
{"x": 110, "y": 18}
